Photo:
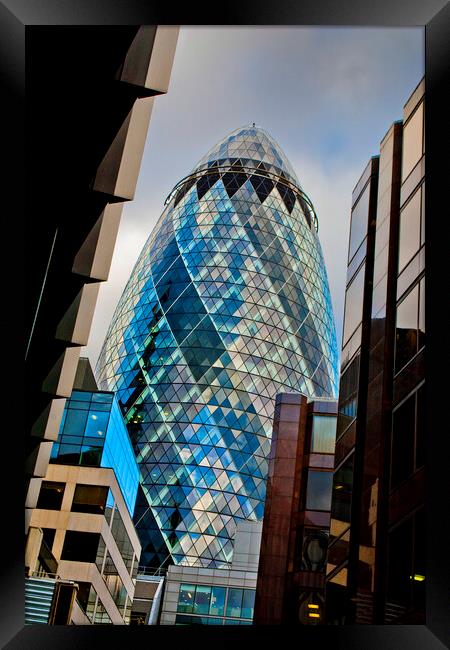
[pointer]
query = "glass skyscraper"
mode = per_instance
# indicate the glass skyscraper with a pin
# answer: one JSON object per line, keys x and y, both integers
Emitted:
{"x": 227, "y": 305}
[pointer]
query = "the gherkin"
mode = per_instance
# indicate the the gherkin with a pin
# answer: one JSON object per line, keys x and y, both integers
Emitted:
{"x": 227, "y": 305}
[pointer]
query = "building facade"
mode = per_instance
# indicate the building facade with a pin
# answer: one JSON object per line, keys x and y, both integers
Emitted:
{"x": 228, "y": 304}
{"x": 376, "y": 561}
{"x": 226, "y": 596}
{"x": 82, "y": 542}
{"x": 86, "y": 525}
{"x": 291, "y": 574}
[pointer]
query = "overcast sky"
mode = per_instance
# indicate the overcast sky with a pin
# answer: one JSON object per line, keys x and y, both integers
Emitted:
{"x": 327, "y": 96}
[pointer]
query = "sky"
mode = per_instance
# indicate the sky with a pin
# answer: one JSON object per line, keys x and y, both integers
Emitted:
{"x": 326, "y": 95}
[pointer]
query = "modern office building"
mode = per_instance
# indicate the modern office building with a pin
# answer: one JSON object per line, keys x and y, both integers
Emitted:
{"x": 228, "y": 304}
{"x": 81, "y": 533}
{"x": 87, "y": 526}
{"x": 291, "y": 574}
{"x": 90, "y": 92}
{"x": 226, "y": 596}
{"x": 376, "y": 560}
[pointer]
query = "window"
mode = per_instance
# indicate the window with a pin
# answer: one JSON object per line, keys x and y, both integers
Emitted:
{"x": 51, "y": 495}
{"x": 217, "y": 604}
{"x": 318, "y": 492}
{"x": 412, "y": 142}
{"x": 420, "y": 427}
{"x": 248, "y": 603}
{"x": 96, "y": 424}
{"x": 80, "y": 547}
{"x": 359, "y": 222}
{"x": 49, "y": 536}
{"x": 234, "y": 602}
{"x": 403, "y": 428}
{"x": 354, "y": 304}
{"x": 90, "y": 498}
{"x": 348, "y": 396}
{"x": 408, "y": 432}
{"x": 406, "y": 562}
{"x": 409, "y": 238}
{"x": 75, "y": 422}
{"x": 407, "y": 339}
{"x": 342, "y": 490}
{"x": 122, "y": 540}
{"x": 186, "y": 599}
{"x": 201, "y": 600}
{"x": 91, "y": 455}
{"x": 207, "y": 603}
{"x": 323, "y": 434}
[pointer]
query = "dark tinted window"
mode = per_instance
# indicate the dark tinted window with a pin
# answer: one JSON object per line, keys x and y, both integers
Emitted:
{"x": 80, "y": 547}
{"x": 400, "y": 563}
{"x": 403, "y": 428}
{"x": 318, "y": 492}
{"x": 90, "y": 498}
{"x": 51, "y": 495}
{"x": 49, "y": 536}
{"x": 342, "y": 491}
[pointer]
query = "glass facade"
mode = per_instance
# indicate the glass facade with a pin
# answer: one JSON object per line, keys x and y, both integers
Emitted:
{"x": 92, "y": 433}
{"x": 213, "y": 605}
{"x": 227, "y": 305}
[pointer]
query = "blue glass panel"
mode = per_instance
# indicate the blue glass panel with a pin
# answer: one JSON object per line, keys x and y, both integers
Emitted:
{"x": 75, "y": 422}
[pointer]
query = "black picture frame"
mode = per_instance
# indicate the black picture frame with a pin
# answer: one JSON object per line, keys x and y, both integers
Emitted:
{"x": 16, "y": 17}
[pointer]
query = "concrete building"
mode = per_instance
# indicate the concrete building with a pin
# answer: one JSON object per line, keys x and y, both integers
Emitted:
{"x": 291, "y": 574}
{"x": 202, "y": 596}
{"x": 81, "y": 531}
{"x": 376, "y": 560}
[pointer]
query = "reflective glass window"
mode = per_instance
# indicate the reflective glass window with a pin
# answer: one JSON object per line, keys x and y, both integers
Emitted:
{"x": 318, "y": 491}
{"x": 412, "y": 141}
{"x": 122, "y": 539}
{"x": 202, "y": 598}
{"x": 68, "y": 454}
{"x": 75, "y": 422}
{"x": 248, "y": 602}
{"x": 354, "y": 304}
{"x": 359, "y": 221}
{"x": 403, "y": 430}
{"x": 217, "y": 603}
{"x": 186, "y": 599}
{"x": 406, "y": 329}
{"x": 96, "y": 423}
{"x": 90, "y": 498}
{"x": 51, "y": 495}
{"x": 234, "y": 602}
{"x": 342, "y": 491}
{"x": 409, "y": 237}
{"x": 323, "y": 434}
{"x": 81, "y": 396}
{"x": 90, "y": 455}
